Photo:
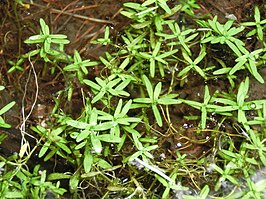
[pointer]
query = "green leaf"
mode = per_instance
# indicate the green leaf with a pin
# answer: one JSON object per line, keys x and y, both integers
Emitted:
{"x": 98, "y": 97}
{"x": 100, "y": 82}
{"x": 163, "y": 5}
{"x": 148, "y": 85}
{"x": 103, "y": 164}
{"x": 96, "y": 143}
{"x": 126, "y": 108}
{"x": 88, "y": 161}
{"x": 242, "y": 92}
{"x": 157, "y": 91}
{"x": 74, "y": 181}
{"x": 81, "y": 145}
{"x": 14, "y": 194}
{"x": 51, "y": 154}
{"x": 77, "y": 124}
{"x": 92, "y": 84}
{"x": 222, "y": 71}
{"x": 142, "y": 100}
{"x": 58, "y": 176}
{"x": 64, "y": 147}
{"x": 157, "y": 115}
{"x": 35, "y": 39}
{"x": 166, "y": 101}
{"x": 237, "y": 66}
{"x": 109, "y": 138}
{"x": 7, "y": 107}
{"x": 123, "y": 84}
{"x": 125, "y": 63}
{"x": 148, "y": 2}
{"x": 83, "y": 135}
{"x": 103, "y": 126}
{"x": 204, "y": 192}
{"x": 135, "y": 155}
{"x": 44, "y": 149}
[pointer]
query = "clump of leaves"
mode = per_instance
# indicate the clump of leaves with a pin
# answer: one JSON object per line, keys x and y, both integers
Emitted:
{"x": 51, "y": 44}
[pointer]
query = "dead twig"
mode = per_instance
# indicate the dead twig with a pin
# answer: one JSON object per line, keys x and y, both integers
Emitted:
{"x": 82, "y": 8}
{"x": 74, "y": 15}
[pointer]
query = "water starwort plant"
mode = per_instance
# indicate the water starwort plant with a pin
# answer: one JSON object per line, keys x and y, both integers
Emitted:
{"x": 132, "y": 138}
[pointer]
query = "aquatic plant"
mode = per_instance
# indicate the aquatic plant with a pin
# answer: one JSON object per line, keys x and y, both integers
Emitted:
{"x": 127, "y": 112}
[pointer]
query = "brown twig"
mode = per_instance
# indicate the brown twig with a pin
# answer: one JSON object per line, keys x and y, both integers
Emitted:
{"x": 75, "y": 15}
{"x": 72, "y": 3}
{"x": 82, "y": 8}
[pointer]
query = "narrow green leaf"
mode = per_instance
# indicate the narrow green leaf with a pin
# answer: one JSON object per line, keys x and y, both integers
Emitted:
{"x": 44, "y": 149}
{"x": 58, "y": 176}
{"x": 109, "y": 138}
{"x": 157, "y": 115}
{"x": 148, "y": 85}
{"x": 74, "y": 181}
{"x": 88, "y": 161}
{"x": 64, "y": 147}
{"x": 163, "y": 5}
{"x": 13, "y": 194}
{"x": 83, "y": 135}
{"x": 92, "y": 84}
{"x": 7, "y": 107}
{"x": 96, "y": 143}
{"x": 157, "y": 91}
{"x": 77, "y": 124}
{"x": 103, "y": 164}
{"x": 126, "y": 108}
{"x": 98, "y": 97}
{"x": 142, "y": 100}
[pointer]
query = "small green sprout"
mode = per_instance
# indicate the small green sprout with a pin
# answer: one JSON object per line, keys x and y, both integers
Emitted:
{"x": 249, "y": 61}
{"x": 119, "y": 118}
{"x": 239, "y": 103}
{"x": 203, "y": 107}
{"x": 188, "y": 6}
{"x": 80, "y": 66}
{"x": 154, "y": 98}
{"x": 16, "y": 65}
{"x": 107, "y": 87}
{"x": 225, "y": 174}
{"x": 257, "y": 145}
{"x": 156, "y": 58}
{"x": 51, "y": 43}
{"x": 105, "y": 40}
{"x": 143, "y": 151}
{"x": 134, "y": 45}
{"x": 193, "y": 64}
{"x": 53, "y": 142}
{"x": 225, "y": 34}
{"x": 260, "y": 25}
{"x": 182, "y": 36}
